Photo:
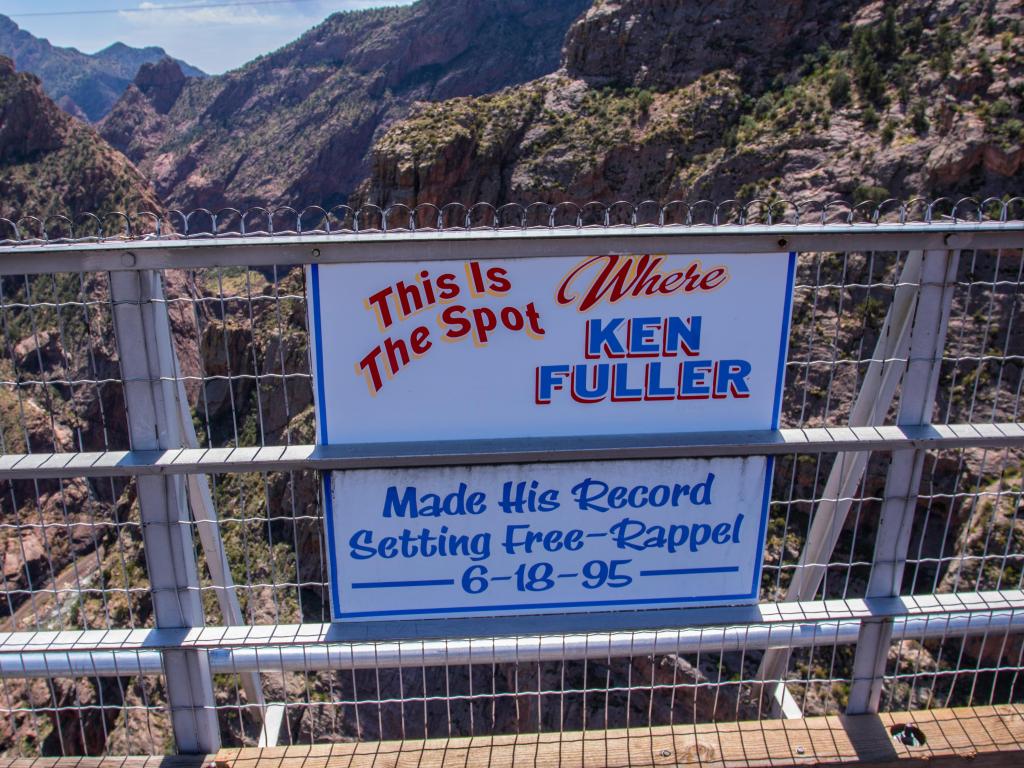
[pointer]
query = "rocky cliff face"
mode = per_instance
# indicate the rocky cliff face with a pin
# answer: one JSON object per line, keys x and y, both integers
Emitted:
{"x": 679, "y": 100}
{"x": 51, "y": 163}
{"x": 84, "y": 85}
{"x": 654, "y": 44}
{"x": 296, "y": 126}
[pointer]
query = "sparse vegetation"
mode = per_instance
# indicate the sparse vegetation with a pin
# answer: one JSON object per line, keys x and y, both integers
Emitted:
{"x": 869, "y": 116}
{"x": 888, "y": 131}
{"x": 839, "y": 91}
{"x": 869, "y": 194}
{"x": 919, "y": 117}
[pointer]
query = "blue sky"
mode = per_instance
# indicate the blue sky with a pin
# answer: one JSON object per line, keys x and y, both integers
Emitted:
{"x": 214, "y": 35}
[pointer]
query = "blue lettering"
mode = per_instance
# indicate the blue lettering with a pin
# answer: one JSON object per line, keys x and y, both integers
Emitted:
{"x": 398, "y": 507}
{"x": 655, "y": 389}
{"x": 360, "y": 551}
{"x": 598, "y": 391}
{"x": 699, "y": 536}
{"x": 601, "y": 338}
{"x": 700, "y": 494}
{"x": 624, "y": 531}
{"x": 586, "y": 491}
{"x": 548, "y": 541}
{"x": 658, "y": 496}
{"x": 620, "y": 384}
{"x": 680, "y": 334}
{"x": 549, "y": 379}
{"x": 693, "y": 384}
{"x": 641, "y": 336}
{"x": 732, "y": 378}
{"x": 637, "y": 535}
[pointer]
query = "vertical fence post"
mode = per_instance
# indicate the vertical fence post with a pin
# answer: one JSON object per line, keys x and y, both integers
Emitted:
{"x": 148, "y": 370}
{"x": 917, "y": 400}
{"x": 877, "y": 389}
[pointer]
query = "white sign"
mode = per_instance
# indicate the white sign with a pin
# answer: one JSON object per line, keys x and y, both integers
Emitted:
{"x": 608, "y": 344}
{"x": 493, "y": 540}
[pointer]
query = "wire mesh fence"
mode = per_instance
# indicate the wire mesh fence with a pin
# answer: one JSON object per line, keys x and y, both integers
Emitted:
{"x": 74, "y": 557}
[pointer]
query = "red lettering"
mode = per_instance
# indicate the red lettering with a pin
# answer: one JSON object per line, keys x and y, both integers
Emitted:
{"x": 485, "y": 321}
{"x": 476, "y": 280}
{"x": 670, "y": 283}
{"x": 562, "y": 296}
{"x": 458, "y": 326}
{"x": 714, "y": 278}
{"x": 428, "y": 287}
{"x": 409, "y": 297}
{"x": 370, "y": 368}
{"x": 448, "y": 288}
{"x": 647, "y": 280}
{"x": 498, "y": 281}
{"x": 379, "y": 303}
{"x": 615, "y": 277}
{"x": 512, "y": 318}
{"x": 534, "y": 317}
{"x": 692, "y": 278}
{"x": 398, "y": 354}
{"x": 420, "y": 341}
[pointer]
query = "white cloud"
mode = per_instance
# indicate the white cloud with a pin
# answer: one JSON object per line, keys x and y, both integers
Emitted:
{"x": 157, "y": 14}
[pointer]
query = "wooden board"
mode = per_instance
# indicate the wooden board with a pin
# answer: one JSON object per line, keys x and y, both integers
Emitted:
{"x": 980, "y": 737}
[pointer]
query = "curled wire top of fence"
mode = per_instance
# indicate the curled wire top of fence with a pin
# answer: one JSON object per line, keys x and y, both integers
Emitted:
{"x": 262, "y": 221}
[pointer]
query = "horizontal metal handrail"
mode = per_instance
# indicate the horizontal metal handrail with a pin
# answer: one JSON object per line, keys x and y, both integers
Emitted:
{"x": 431, "y": 245}
{"x": 282, "y": 458}
{"x": 303, "y": 647}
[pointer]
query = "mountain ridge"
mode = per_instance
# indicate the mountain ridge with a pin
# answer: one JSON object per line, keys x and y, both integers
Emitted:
{"x": 84, "y": 85}
{"x": 51, "y": 163}
{"x": 296, "y": 125}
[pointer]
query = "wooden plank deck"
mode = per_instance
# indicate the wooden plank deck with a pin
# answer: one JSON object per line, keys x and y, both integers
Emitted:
{"x": 979, "y": 737}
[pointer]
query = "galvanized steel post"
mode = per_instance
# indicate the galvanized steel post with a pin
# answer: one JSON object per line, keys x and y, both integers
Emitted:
{"x": 917, "y": 400}
{"x": 148, "y": 370}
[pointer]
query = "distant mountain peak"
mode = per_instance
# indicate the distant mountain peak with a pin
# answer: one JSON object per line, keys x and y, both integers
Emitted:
{"x": 118, "y": 46}
{"x": 83, "y": 84}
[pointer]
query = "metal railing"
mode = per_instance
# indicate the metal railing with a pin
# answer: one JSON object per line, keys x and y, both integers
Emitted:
{"x": 164, "y": 575}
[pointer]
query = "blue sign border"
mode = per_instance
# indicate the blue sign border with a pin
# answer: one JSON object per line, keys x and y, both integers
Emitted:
{"x": 336, "y": 612}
